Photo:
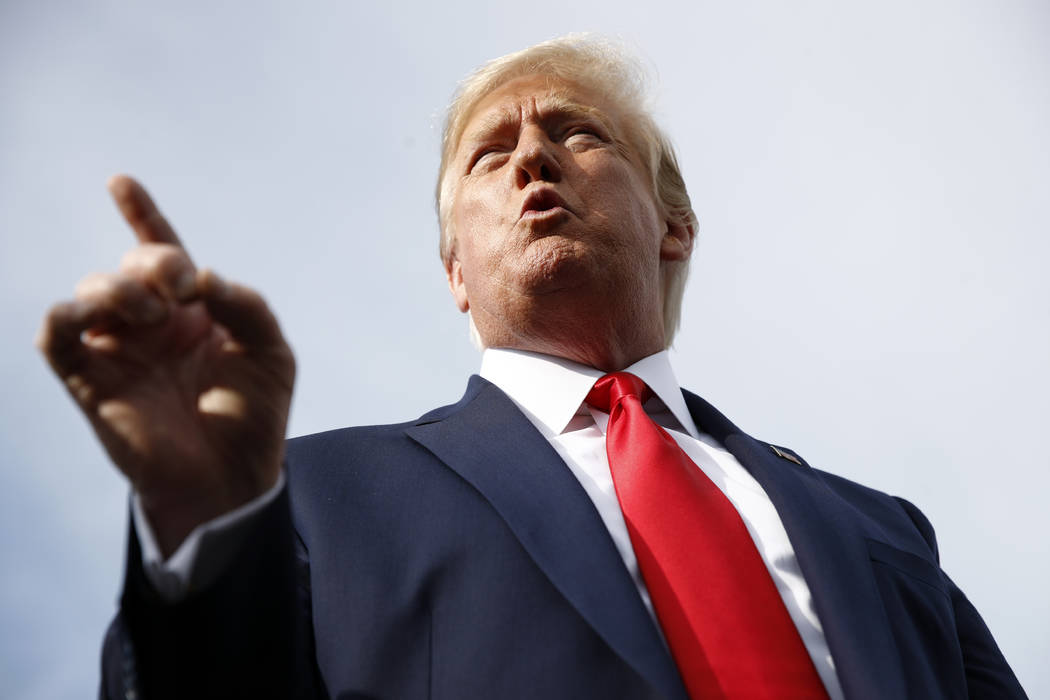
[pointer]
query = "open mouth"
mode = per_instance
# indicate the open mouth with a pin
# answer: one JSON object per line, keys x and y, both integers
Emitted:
{"x": 541, "y": 202}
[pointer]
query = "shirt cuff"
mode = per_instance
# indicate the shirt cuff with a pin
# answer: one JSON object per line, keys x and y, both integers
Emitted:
{"x": 205, "y": 553}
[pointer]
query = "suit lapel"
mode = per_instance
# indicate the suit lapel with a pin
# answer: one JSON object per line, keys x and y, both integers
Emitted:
{"x": 491, "y": 445}
{"x": 831, "y": 551}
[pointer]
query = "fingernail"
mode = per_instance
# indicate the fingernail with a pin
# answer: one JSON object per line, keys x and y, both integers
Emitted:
{"x": 186, "y": 285}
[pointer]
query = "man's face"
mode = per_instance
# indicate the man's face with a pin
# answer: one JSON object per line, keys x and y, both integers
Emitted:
{"x": 549, "y": 211}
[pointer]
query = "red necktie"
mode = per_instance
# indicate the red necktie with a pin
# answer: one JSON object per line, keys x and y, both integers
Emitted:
{"x": 725, "y": 623}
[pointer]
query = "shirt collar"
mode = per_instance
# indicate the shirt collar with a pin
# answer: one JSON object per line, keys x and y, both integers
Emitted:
{"x": 549, "y": 390}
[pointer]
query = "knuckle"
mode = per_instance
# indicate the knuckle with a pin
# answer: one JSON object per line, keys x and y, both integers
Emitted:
{"x": 136, "y": 258}
{"x": 45, "y": 335}
{"x": 253, "y": 299}
{"x": 81, "y": 389}
{"x": 53, "y": 316}
{"x": 161, "y": 265}
{"x": 107, "y": 290}
{"x": 142, "y": 257}
{"x": 59, "y": 327}
{"x": 92, "y": 285}
{"x": 123, "y": 289}
{"x": 170, "y": 261}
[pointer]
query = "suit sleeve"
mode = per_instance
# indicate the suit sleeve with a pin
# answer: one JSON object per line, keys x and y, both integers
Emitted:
{"x": 988, "y": 675}
{"x": 247, "y": 635}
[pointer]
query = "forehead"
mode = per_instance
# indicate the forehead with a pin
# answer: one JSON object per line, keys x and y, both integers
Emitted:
{"x": 536, "y": 97}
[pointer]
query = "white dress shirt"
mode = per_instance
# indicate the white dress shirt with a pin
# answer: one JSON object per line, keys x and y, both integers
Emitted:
{"x": 550, "y": 392}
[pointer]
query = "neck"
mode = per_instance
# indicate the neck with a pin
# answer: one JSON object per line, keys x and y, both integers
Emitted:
{"x": 603, "y": 358}
{"x": 603, "y": 341}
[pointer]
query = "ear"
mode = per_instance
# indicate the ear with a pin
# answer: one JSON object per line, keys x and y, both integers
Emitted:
{"x": 677, "y": 243}
{"x": 454, "y": 274}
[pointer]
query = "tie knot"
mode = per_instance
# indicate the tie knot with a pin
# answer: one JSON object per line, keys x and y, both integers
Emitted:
{"x": 610, "y": 389}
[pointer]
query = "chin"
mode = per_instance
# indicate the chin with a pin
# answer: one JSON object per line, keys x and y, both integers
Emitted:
{"x": 554, "y": 264}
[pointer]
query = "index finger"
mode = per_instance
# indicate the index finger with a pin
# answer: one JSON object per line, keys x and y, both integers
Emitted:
{"x": 140, "y": 212}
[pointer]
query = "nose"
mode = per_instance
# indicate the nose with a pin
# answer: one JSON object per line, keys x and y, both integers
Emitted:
{"x": 534, "y": 159}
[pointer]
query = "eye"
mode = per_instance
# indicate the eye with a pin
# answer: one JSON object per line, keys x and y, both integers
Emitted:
{"x": 583, "y": 130}
{"x": 486, "y": 157}
{"x": 582, "y": 136}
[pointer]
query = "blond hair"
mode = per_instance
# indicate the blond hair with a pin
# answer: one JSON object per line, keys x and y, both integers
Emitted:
{"x": 606, "y": 68}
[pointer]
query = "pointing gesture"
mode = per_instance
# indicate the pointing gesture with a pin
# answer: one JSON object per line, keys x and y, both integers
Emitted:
{"x": 185, "y": 378}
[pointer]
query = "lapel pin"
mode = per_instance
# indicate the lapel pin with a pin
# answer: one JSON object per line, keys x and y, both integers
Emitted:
{"x": 784, "y": 454}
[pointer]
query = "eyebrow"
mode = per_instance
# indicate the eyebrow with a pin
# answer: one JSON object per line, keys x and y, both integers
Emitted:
{"x": 552, "y": 109}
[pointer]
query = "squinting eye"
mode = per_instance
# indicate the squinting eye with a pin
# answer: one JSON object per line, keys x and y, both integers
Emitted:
{"x": 582, "y": 134}
{"x": 484, "y": 155}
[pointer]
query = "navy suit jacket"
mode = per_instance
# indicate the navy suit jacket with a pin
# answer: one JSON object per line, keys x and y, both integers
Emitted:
{"x": 456, "y": 556}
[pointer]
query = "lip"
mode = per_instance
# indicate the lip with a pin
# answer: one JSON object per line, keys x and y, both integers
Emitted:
{"x": 543, "y": 202}
{"x": 536, "y": 215}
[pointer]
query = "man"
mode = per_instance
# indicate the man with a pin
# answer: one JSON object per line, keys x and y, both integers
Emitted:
{"x": 566, "y": 530}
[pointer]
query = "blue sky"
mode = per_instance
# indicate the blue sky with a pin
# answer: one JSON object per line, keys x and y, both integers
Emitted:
{"x": 869, "y": 288}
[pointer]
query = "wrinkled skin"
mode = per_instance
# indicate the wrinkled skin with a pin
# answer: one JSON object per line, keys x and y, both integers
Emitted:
{"x": 560, "y": 246}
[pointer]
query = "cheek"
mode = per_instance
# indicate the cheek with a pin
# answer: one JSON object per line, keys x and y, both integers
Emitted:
{"x": 476, "y": 210}
{"x": 624, "y": 202}
{"x": 473, "y": 225}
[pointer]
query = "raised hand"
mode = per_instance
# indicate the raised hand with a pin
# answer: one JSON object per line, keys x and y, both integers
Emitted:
{"x": 185, "y": 378}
